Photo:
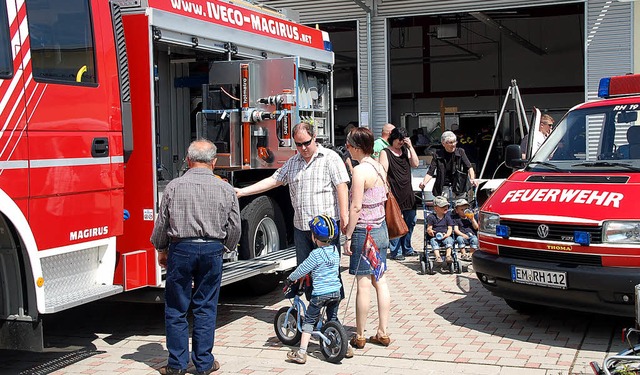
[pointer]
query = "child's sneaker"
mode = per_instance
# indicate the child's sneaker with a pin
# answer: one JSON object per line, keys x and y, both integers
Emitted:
{"x": 438, "y": 261}
{"x": 295, "y": 356}
{"x": 349, "y": 353}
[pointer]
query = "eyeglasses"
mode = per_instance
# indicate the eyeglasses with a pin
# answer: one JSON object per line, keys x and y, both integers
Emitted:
{"x": 451, "y": 143}
{"x": 546, "y": 123}
{"x": 304, "y": 144}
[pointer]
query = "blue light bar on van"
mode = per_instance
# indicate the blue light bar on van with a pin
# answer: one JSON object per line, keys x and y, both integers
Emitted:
{"x": 603, "y": 87}
{"x": 582, "y": 238}
{"x": 502, "y": 231}
{"x": 626, "y": 85}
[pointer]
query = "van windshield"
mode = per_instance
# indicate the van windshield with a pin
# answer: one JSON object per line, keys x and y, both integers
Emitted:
{"x": 596, "y": 139}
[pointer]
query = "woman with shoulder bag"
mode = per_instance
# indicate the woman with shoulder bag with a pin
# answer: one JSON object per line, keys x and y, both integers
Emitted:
{"x": 397, "y": 160}
{"x": 368, "y": 196}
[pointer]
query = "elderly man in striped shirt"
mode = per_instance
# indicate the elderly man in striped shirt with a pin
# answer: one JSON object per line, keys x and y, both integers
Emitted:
{"x": 317, "y": 180}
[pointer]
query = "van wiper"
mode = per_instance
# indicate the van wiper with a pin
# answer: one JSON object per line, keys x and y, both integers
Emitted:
{"x": 546, "y": 164}
{"x": 607, "y": 164}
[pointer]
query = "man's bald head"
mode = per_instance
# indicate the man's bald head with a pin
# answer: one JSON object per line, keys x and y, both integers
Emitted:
{"x": 386, "y": 130}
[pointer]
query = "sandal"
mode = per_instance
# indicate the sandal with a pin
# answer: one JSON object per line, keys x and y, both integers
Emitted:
{"x": 380, "y": 340}
{"x": 358, "y": 341}
{"x": 449, "y": 259}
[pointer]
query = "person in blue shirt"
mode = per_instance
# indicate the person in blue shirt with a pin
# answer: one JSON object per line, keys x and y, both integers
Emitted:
{"x": 324, "y": 265}
{"x": 465, "y": 228}
{"x": 440, "y": 229}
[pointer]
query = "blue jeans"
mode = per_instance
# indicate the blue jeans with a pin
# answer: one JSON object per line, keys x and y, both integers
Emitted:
{"x": 331, "y": 300}
{"x": 472, "y": 242}
{"x": 447, "y": 243}
{"x": 402, "y": 245}
{"x": 194, "y": 271}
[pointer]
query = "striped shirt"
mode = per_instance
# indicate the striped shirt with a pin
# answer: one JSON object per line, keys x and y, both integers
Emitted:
{"x": 324, "y": 265}
{"x": 312, "y": 186}
{"x": 198, "y": 204}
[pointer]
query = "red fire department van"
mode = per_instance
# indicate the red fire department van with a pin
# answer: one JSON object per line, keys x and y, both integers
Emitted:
{"x": 563, "y": 230}
{"x": 99, "y": 101}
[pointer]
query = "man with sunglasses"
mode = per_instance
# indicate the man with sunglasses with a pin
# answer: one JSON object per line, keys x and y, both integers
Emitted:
{"x": 317, "y": 180}
{"x": 546, "y": 125}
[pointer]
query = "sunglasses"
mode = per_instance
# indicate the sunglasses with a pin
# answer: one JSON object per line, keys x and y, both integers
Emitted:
{"x": 303, "y": 144}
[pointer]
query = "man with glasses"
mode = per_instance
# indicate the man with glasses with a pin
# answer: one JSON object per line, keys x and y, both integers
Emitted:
{"x": 451, "y": 168}
{"x": 546, "y": 125}
{"x": 317, "y": 180}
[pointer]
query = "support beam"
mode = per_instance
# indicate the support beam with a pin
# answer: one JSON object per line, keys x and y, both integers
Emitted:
{"x": 487, "y": 20}
{"x": 362, "y": 5}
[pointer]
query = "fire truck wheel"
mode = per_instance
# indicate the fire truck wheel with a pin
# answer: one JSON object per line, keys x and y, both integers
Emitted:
{"x": 263, "y": 232}
{"x": 523, "y": 307}
{"x": 263, "y": 228}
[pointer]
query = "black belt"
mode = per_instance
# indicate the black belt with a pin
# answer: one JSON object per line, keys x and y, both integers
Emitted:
{"x": 195, "y": 239}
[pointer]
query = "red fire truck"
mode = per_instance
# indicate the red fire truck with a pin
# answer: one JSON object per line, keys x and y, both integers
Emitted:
{"x": 563, "y": 230}
{"x": 98, "y": 103}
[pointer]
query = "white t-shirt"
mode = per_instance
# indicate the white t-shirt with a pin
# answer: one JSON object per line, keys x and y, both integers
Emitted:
{"x": 538, "y": 138}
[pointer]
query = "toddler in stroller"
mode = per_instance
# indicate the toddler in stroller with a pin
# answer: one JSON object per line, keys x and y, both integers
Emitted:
{"x": 439, "y": 232}
{"x": 465, "y": 227}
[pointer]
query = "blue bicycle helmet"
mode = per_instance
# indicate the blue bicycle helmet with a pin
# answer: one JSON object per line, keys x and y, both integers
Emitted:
{"x": 323, "y": 227}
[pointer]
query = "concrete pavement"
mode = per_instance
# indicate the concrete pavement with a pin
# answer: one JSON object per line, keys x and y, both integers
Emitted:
{"x": 440, "y": 324}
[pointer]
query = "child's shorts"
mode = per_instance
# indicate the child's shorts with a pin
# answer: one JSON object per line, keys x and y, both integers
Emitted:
{"x": 446, "y": 243}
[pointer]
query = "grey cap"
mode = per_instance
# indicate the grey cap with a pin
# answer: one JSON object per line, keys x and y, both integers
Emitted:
{"x": 461, "y": 202}
{"x": 440, "y": 201}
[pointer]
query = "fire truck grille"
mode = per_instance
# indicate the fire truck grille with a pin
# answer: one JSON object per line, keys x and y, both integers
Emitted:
{"x": 551, "y": 257}
{"x": 557, "y": 232}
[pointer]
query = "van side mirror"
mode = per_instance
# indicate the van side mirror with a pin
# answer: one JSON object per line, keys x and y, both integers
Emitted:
{"x": 513, "y": 157}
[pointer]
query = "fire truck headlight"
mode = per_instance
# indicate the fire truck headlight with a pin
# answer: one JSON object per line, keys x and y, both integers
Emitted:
{"x": 487, "y": 222}
{"x": 621, "y": 232}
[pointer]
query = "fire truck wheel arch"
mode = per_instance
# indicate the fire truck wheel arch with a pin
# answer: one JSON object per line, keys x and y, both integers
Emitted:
{"x": 13, "y": 221}
{"x": 263, "y": 228}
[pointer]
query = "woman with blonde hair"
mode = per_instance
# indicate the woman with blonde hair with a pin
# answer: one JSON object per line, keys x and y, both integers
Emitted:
{"x": 368, "y": 196}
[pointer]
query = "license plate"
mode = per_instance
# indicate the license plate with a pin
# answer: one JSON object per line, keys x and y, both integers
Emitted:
{"x": 532, "y": 276}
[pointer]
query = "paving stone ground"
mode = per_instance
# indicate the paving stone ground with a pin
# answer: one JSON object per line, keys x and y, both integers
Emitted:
{"x": 440, "y": 324}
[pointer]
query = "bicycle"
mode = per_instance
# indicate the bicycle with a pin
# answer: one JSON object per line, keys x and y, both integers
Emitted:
{"x": 627, "y": 362}
{"x": 287, "y": 323}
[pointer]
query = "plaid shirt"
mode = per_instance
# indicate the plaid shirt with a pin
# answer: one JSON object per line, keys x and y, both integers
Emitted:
{"x": 312, "y": 185}
{"x": 198, "y": 204}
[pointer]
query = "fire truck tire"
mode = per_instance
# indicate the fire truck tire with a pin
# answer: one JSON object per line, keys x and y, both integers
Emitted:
{"x": 263, "y": 228}
{"x": 263, "y": 231}
{"x": 523, "y": 307}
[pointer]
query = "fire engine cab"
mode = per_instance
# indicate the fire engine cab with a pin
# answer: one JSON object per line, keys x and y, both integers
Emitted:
{"x": 564, "y": 230}
{"x": 99, "y": 101}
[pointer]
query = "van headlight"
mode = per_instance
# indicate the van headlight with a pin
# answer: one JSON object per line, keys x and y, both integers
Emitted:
{"x": 487, "y": 222}
{"x": 621, "y": 232}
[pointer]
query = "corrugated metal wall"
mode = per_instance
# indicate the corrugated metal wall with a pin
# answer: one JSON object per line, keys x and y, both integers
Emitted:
{"x": 379, "y": 113}
{"x": 312, "y": 11}
{"x": 363, "y": 77}
{"x": 609, "y": 41}
{"x": 609, "y": 52}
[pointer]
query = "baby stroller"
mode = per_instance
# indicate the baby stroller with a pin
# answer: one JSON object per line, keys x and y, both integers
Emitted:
{"x": 428, "y": 258}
